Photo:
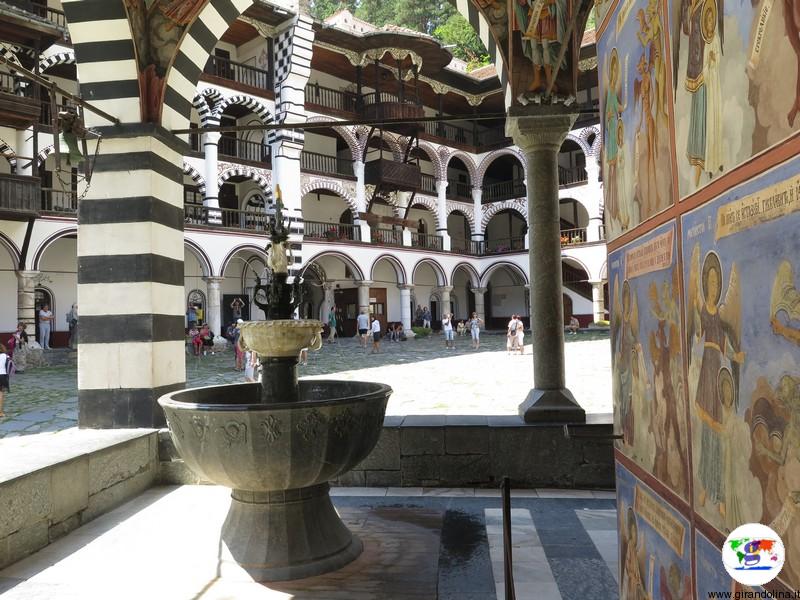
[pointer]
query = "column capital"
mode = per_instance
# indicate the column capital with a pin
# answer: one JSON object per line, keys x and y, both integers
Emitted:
{"x": 441, "y": 184}
{"x": 445, "y": 288}
{"x": 22, "y": 274}
{"x": 365, "y": 283}
{"x": 327, "y": 286}
{"x": 597, "y": 281}
{"x": 405, "y": 287}
{"x": 479, "y": 290}
{"x": 535, "y": 132}
{"x": 210, "y": 137}
{"x": 214, "y": 280}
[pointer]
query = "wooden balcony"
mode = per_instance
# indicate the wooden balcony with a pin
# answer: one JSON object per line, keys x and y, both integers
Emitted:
{"x": 391, "y": 175}
{"x": 20, "y": 197}
{"x": 16, "y": 111}
{"x": 384, "y": 105}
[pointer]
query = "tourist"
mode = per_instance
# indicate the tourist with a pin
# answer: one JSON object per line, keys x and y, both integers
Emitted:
{"x": 339, "y": 323}
{"x": 191, "y": 316}
{"x": 418, "y": 316}
{"x": 362, "y": 322}
{"x": 574, "y": 325}
{"x": 376, "y": 336}
{"x": 18, "y": 348}
{"x": 426, "y": 317}
{"x": 196, "y": 341}
{"x": 511, "y": 335}
{"x": 520, "y": 335}
{"x": 475, "y": 330}
{"x": 206, "y": 338}
{"x": 251, "y": 366}
{"x": 461, "y": 329}
{"x": 447, "y": 327}
{"x": 5, "y": 363}
{"x": 332, "y": 325}
{"x": 45, "y": 321}
{"x": 399, "y": 333}
{"x": 236, "y": 308}
{"x": 72, "y": 323}
{"x": 237, "y": 349}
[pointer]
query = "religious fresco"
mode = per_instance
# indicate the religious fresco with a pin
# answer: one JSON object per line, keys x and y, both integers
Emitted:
{"x": 742, "y": 274}
{"x": 740, "y": 60}
{"x": 710, "y": 576}
{"x": 654, "y": 543}
{"x": 647, "y": 357}
{"x": 635, "y": 99}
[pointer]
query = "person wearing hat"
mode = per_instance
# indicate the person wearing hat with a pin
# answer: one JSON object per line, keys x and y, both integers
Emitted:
{"x": 238, "y": 354}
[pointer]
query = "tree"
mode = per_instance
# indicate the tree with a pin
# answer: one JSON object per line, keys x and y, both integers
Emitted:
{"x": 467, "y": 46}
{"x": 322, "y": 9}
{"x": 378, "y": 12}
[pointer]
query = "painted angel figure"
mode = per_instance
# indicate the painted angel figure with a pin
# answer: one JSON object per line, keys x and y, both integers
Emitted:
{"x": 718, "y": 324}
{"x": 627, "y": 351}
{"x": 633, "y": 558}
{"x": 651, "y": 37}
{"x": 543, "y": 24}
{"x": 613, "y": 134}
{"x": 644, "y": 97}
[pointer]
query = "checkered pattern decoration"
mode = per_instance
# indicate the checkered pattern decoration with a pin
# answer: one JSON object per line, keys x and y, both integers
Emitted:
{"x": 197, "y": 178}
{"x": 260, "y": 109}
{"x": 8, "y": 153}
{"x": 44, "y": 153}
{"x": 60, "y": 58}
{"x": 241, "y": 171}
{"x": 204, "y": 104}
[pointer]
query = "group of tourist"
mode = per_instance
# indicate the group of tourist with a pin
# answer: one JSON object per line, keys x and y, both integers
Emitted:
{"x": 422, "y": 316}
{"x": 515, "y": 335}
{"x": 474, "y": 325}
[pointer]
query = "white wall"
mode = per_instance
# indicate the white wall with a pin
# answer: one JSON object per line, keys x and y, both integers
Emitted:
{"x": 385, "y": 277}
{"x": 507, "y": 296}
{"x": 59, "y": 268}
{"x": 8, "y": 293}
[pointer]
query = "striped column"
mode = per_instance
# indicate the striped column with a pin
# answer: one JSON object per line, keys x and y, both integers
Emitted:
{"x": 130, "y": 279}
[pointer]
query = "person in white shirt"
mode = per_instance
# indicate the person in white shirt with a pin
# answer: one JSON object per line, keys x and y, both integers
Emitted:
{"x": 475, "y": 330}
{"x": 447, "y": 327}
{"x": 511, "y": 335}
{"x": 376, "y": 336}
{"x": 45, "y": 319}
{"x": 520, "y": 335}
{"x": 4, "y": 360}
{"x": 362, "y": 322}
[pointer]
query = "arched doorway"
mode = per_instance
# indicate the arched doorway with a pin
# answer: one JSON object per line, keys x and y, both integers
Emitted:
{"x": 340, "y": 276}
{"x": 575, "y": 281}
{"x": 505, "y": 232}
{"x": 58, "y": 285}
{"x": 428, "y": 277}
{"x": 505, "y": 295}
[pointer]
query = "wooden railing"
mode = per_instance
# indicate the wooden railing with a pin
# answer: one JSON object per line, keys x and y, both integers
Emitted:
{"x": 238, "y": 72}
{"x": 328, "y": 165}
{"x": 227, "y": 218}
{"x": 244, "y": 149}
{"x": 503, "y": 190}
{"x": 570, "y": 237}
{"x": 473, "y": 136}
{"x": 459, "y": 189}
{"x": 503, "y": 245}
{"x": 330, "y": 98}
{"x": 428, "y": 183}
{"x": 428, "y": 241}
{"x": 19, "y": 194}
{"x": 46, "y": 118}
{"x": 392, "y": 174}
{"x": 470, "y": 247}
{"x": 331, "y": 232}
{"x": 7, "y": 83}
{"x": 573, "y": 176}
{"x": 389, "y": 98}
{"x": 59, "y": 201}
{"x": 387, "y": 237}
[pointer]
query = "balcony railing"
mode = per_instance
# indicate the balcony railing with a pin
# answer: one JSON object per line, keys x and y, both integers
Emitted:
{"x": 428, "y": 241}
{"x": 459, "y": 189}
{"x": 570, "y": 237}
{"x": 225, "y": 68}
{"x": 330, "y": 98}
{"x": 572, "y": 176}
{"x": 503, "y": 245}
{"x": 331, "y": 232}
{"x": 457, "y": 134}
{"x": 470, "y": 247}
{"x": 387, "y": 237}
{"x": 503, "y": 190}
{"x": 244, "y": 149}
{"x": 7, "y": 83}
{"x": 227, "y": 218}
{"x": 19, "y": 195}
{"x": 59, "y": 201}
{"x": 46, "y": 118}
{"x": 428, "y": 183}
{"x": 328, "y": 165}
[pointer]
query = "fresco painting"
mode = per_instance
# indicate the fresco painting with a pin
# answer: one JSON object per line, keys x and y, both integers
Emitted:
{"x": 654, "y": 541}
{"x": 647, "y": 356}
{"x": 735, "y": 80}
{"x": 710, "y": 576}
{"x": 637, "y": 172}
{"x": 742, "y": 275}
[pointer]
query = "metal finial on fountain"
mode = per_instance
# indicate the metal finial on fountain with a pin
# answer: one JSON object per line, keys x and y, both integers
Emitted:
{"x": 282, "y": 297}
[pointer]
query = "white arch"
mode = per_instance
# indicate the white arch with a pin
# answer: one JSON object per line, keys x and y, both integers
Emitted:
{"x": 198, "y": 179}
{"x": 467, "y": 211}
{"x": 257, "y": 250}
{"x": 430, "y": 204}
{"x": 497, "y": 207}
{"x": 469, "y": 162}
{"x": 260, "y": 109}
{"x": 433, "y": 155}
{"x": 49, "y": 241}
{"x": 196, "y": 251}
{"x": 398, "y": 267}
{"x": 472, "y": 272}
{"x": 331, "y": 185}
{"x": 515, "y": 268}
{"x": 262, "y": 179}
{"x": 358, "y": 274}
{"x": 441, "y": 276}
{"x": 348, "y": 134}
{"x": 9, "y": 245}
{"x": 494, "y": 155}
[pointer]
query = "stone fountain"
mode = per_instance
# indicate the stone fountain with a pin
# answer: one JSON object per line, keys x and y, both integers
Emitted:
{"x": 277, "y": 443}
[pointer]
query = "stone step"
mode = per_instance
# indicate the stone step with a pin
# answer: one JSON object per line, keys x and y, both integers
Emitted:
{"x": 59, "y": 357}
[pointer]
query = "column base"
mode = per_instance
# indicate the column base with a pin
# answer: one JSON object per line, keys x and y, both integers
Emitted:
{"x": 551, "y": 406}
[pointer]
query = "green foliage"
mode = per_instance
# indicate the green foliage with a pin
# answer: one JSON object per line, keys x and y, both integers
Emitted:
{"x": 456, "y": 31}
{"x": 322, "y": 9}
{"x": 601, "y": 323}
{"x": 421, "y": 332}
{"x": 591, "y": 21}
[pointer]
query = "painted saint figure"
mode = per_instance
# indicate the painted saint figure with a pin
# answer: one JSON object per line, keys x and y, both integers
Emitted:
{"x": 613, "y": 135}
{"x": 542, "y": 37}
{"x": 650, "y": 36}
{"x": 643, "y": 92}
{"x": 633, "y": 584}
{"x": 627, "y": 351}
{"x": 719, "y": 325}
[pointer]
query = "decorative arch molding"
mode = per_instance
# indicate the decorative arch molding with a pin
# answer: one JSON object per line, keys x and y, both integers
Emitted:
{"x": 358, "y": 274}
{"x": 310, "y": 184}
{"x": 576, "y": 263}
{"x": 198, "y": 179}
{"x": 604, "y": 271}
{"x": 398, "y": 267}
{"x": 257, "y": 250}
{"x": 594, "y": 147}
{"x": 441, "y": 276}
{"x": 515, "y": 268}
{"x": 201, "y": 256}
{"x": 261, "y": 176}
{"x": 204, "y": 103}
{"x": 348, "y": 134}
{"x": 469, "y": 162}
{"x": 430, "y": 204}
{"x": 433, "y": 155}
{"x": 9, "y": 245}
{"x": 260, "y": 109}
{"x": 585, "y": 148}
{"x": 494, "y": 155}
{"x": 587, "y": 198}
{"x": 517, "y": 205}
{"x": 390, "y": 199}
{"x": 394, "y": 144}
{"x": 474, "y": 276}
{"x": 59, "y": 58}
{"x": 7, "y": 153}
{"x": 469, "y": 214}
{"x": 49, "y": 241}
{"x": 44, "y": 153}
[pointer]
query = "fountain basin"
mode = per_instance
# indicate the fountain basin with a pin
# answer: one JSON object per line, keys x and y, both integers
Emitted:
{"x": 281, "y": 337}
{"x": 278, "y": 459}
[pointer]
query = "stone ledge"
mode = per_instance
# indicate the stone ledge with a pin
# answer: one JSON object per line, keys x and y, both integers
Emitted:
{"x": 52, "y": 483}
{"x": 466, "y": 451}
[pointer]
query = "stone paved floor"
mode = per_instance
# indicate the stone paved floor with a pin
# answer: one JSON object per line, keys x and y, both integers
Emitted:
{"x": 427, "y": 379}
{"x": 420, "y": 544}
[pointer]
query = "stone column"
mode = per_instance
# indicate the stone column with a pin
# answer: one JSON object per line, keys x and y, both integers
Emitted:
{"x": 444, "y": 291}
{"x": 598, "y": 301}
{"x": 477, "y": 211}
{"x": 26, "y": 161}
{"x": 26, "y": 300}
{"x": 213, "y": 308}
{"x": 328, "y": 300}
{"x": 210, "y": 143}
{"x": 405, "y": 305}
{"x": 594, "y": 231}
{"x": 540, "y": 138}
{"x": 480, "y": 306}
{"x": 441, "y": 213}
{"x": 363, "y": 295}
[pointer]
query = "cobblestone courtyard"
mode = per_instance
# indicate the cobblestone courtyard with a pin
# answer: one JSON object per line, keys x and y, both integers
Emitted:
{"x": 426, "y": 378}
